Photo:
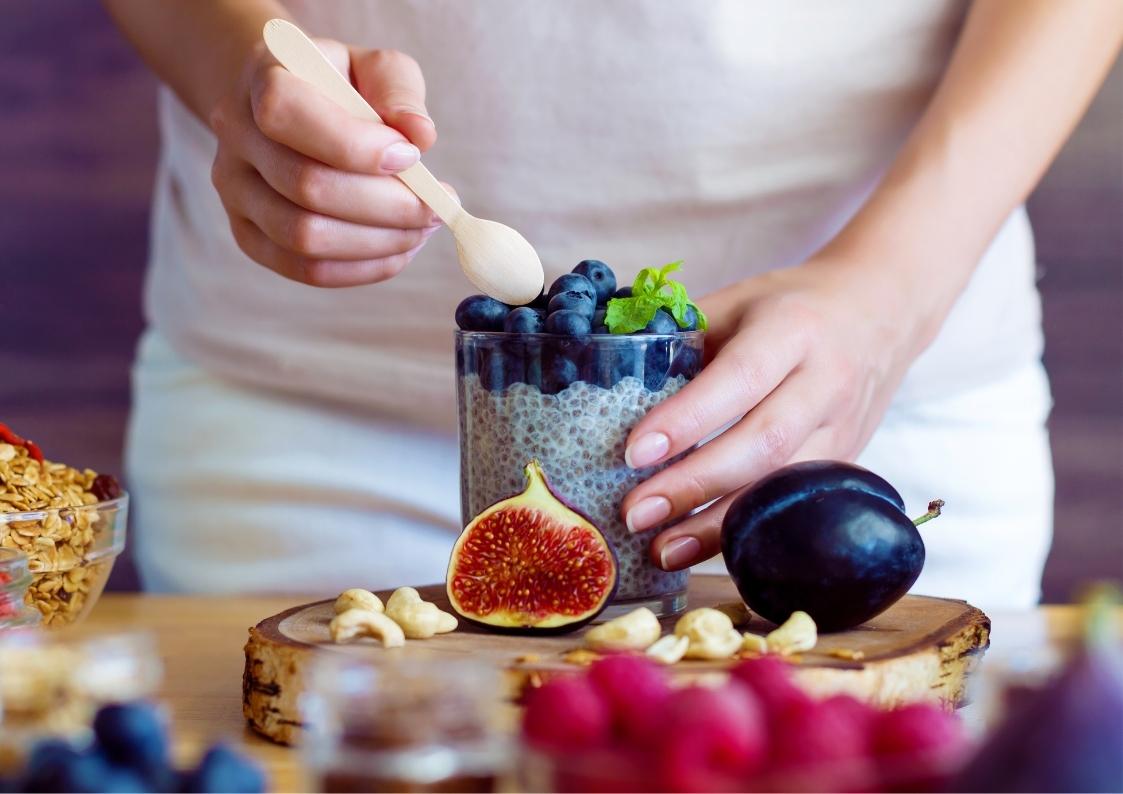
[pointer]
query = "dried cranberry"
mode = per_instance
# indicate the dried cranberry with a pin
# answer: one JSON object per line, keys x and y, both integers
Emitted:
{"x": 105, "y": 487}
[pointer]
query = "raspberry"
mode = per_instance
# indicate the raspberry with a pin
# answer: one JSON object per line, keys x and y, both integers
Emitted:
{"x": 566, "y": 713}
{"x": 771, "y": 681}
{"x": 635, "y": 689}
{"x": 916, "y": 728}
{"x": 709, "y": 734}
{"x": 823, "y": 741}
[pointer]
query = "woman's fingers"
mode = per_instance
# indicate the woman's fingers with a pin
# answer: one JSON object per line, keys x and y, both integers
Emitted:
{"x": 764, "y": 440}
{"x": 290, "y": 111}
{"x": 392, "y": 83}
{"x": 740, "y": 376}
{"x": 310, "y": 234}
{"x": 313, "y": 271}
{"x": 359, "y": 198}
{"x": 692, "y": 540}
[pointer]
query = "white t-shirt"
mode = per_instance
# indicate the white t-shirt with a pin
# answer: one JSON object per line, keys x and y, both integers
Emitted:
{"x": 737, "y": 135}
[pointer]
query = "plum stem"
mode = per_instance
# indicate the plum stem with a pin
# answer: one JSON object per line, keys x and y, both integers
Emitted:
{"x": 934, "y": 508}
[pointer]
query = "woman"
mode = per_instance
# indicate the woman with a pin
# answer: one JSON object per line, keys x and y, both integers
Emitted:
{"x": 845, "y": 181}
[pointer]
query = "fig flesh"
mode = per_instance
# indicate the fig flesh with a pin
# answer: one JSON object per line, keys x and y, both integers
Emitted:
{"x": 825, "y": 537}
{"x": 531, "y": 563}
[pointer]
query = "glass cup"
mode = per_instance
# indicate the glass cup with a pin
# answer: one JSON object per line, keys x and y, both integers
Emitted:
{"x": 570, "y": 402}
{"x": 403, "y": 726}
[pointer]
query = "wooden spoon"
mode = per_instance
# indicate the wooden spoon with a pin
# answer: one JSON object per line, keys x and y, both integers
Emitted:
{"x": 494, "y": 257}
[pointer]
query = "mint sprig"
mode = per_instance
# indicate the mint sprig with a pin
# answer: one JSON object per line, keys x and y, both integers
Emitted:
{"x": 651, "y": 291}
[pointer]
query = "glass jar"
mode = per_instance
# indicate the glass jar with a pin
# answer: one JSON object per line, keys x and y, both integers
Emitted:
{"x": 570, "y": 402}
{"x": 52, "y": 687}
{"x": 15, "y": 577}
{"x": 403, "y": 726}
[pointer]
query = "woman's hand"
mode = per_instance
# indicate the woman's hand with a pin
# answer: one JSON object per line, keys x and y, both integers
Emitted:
{"x": 309, "y": 188}
{"x": 809, "y": 357}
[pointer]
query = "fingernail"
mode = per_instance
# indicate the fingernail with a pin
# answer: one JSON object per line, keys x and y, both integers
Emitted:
{"x": 399, "y": 156}
{"x": 647, "y": 513}
{"x": 648, "y": 450}
{"x": 418, "y": 113}
{"x": 679, "y": 553}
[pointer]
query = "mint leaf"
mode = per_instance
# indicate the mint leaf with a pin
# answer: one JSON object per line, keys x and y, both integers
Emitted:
{"x": 679, "y": 303}
{"x": 628, "y": 315}
{"x": 646, "y": 282}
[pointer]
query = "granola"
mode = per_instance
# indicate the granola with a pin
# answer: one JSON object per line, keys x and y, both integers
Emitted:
{"x": 59, "y": 532}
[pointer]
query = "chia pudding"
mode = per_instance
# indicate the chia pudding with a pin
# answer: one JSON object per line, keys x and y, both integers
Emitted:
{"x": 570, "y": 404}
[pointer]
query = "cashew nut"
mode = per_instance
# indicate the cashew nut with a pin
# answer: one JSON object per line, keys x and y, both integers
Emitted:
{"x": 669, "y": 649}
{"x": 358, "y": 598}
{"x": 798, "y": 633}
{"x": 364, "y": 623}
{"x": 631, "y": 632}
{"x": 419, "y": 619}
{"x": 711, "y": 634}
{"x": 754, "y": 643}
{"x": 738, "y": 613}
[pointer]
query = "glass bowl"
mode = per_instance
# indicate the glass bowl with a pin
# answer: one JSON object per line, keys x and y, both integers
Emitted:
{"x": 15, "y": 578}
{"x": 70, "y": 552}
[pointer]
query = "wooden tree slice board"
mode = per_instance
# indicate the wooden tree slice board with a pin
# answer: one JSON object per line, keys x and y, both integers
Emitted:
{"x": 920, "y": 649}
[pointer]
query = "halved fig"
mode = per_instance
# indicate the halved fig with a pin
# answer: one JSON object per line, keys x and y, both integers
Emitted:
{"x": 531, "y": 563}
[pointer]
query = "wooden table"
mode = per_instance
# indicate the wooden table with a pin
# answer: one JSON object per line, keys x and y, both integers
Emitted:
{"x": 201, "y": 640}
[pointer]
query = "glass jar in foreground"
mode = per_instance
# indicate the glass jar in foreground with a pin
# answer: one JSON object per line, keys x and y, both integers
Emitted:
{"x": 412, "y": 725}
{"x": 570, "y": 403}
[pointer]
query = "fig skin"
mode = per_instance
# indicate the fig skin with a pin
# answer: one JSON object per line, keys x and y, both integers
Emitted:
{"x": 826, "y": 537}
{"x": 538, "y": 497}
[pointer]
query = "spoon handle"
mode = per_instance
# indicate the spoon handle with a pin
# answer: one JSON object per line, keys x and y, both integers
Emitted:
{"x": 300, "y": 55}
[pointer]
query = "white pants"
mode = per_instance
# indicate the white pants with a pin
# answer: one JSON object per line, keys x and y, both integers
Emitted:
{"x": 239, "y": 490}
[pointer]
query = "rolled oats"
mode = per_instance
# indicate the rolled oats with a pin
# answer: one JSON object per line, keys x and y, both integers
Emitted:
{"x": 58, "y": 535}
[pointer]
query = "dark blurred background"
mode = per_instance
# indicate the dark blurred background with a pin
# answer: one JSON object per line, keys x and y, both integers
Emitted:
{"x": 77, "y": 152}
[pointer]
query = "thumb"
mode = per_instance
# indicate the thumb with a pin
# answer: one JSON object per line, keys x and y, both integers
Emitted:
{"x": 391, "y": 82}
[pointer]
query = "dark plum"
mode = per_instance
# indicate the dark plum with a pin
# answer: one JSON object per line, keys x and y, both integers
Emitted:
{"x": 481, "y": 313}
{"x": 829, "y": 538}
{"x": 661, "y": 323}
{"x": 573, "y": 301}
{"x": 601, "y": 276}
{"x": 525, "y": 320}
{"x": 623, "y": 292}
{"x": 568, "y": 322}
{"x": 573, "y": 282}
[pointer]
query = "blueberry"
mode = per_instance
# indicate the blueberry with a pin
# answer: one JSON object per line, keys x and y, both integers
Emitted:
{"x": 601, "y": 275}
{"x": 58, "y": 767}
{"x": 598, "y": 316}
{"x": 47, "y": 767}
{"x": 573, "y": 282}
{"x": 623, "y": 292}
{"x": 524, "y": 320}
{"x": 132, "y": 735}
{"x": 541, "y": 301}
{"x": 568, "y": 322}
{"x": 687, "y": 362}
{"x": 558, "y": 371}
{"x": 691, "y": 317}
{"x": 575, "y": 301}
{"x": 223, "y": 770}
{"x": 481, "y": 313}
{"x": 606, "y": 365}
{"x": 494, "y": 369}
{"x": 656, "y": 364}
{"x": 661, "y": 323}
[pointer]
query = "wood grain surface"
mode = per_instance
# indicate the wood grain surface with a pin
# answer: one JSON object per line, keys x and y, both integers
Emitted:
{"x": 200, "y": 641}
{"x": 920, "y": 649}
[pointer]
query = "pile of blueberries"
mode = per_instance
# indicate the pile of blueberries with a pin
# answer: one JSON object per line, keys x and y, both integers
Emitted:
{"x": 568, "y": 343}
{"x": 130, "y": 754}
